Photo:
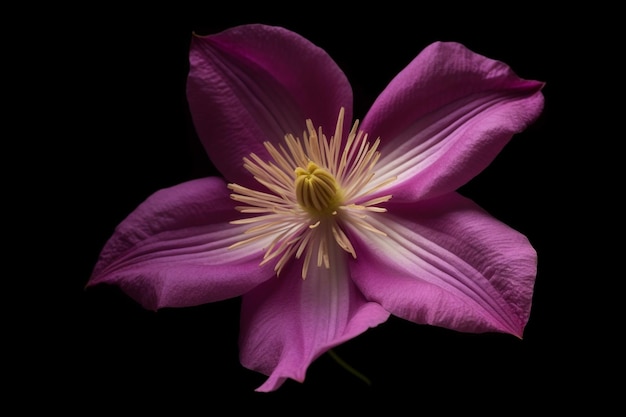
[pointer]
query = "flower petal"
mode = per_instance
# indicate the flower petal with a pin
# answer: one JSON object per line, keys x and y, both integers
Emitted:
{"x": 172, "y": 251}
{"x": 287, "y": 322}
{"x": 446, "y": 262}
{"x": 256, "y": 83}
{"x": 445, "y": 117}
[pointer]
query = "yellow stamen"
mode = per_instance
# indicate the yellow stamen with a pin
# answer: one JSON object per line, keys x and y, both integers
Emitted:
{"x": 316, "y": 189}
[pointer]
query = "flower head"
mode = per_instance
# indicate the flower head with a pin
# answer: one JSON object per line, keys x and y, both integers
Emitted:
{"x": 321, "y": 230}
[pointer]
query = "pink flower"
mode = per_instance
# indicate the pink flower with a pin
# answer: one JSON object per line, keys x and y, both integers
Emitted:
{"x": 325, "y": 227}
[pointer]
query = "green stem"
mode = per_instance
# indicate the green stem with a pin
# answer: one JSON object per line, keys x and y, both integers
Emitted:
{"x": 348, "y": 368}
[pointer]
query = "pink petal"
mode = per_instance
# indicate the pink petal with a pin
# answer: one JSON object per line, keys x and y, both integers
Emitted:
{"x": 447, "y": 263}
{"x": 445, "y": 117}
{"x": 172, "y": 251}
{"x": 287, "y": 322}
{"x": 256, "y": 83}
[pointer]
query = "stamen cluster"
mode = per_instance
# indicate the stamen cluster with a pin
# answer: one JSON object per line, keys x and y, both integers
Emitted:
{"x": 315, "y": 189}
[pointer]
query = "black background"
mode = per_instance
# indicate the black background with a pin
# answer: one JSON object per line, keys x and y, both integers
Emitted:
{"x": 106, "y": 104}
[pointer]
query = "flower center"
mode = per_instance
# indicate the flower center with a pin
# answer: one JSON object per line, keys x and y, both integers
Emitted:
{"x": 306, "y": 212}
{"x": 317, "y": 190}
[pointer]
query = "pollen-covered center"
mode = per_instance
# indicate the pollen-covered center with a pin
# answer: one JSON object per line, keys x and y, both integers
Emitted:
{"x": 312, "y": 192}
{"x": 317, "y": 190}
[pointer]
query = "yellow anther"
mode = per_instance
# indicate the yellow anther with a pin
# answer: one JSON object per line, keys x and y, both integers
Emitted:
{"x": 317, "y": 190}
